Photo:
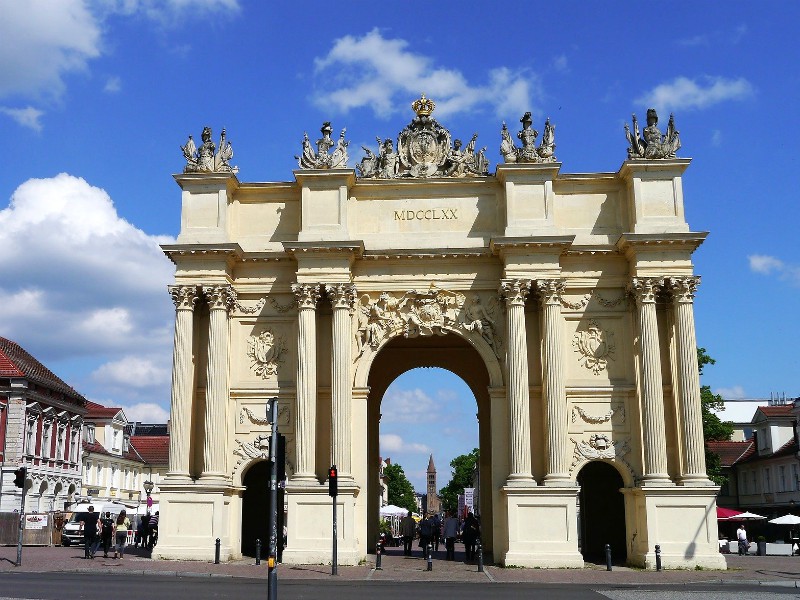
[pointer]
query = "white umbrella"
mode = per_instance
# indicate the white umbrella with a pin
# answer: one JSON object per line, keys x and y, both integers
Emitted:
{"x": 786, "y": 520}
{"x": 746, "y": 516}
{"x": 390, "y": 510}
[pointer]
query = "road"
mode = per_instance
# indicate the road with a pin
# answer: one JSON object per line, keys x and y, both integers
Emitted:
{"x": 101, "y": 586}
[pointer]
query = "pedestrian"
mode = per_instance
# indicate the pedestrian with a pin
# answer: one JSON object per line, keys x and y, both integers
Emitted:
{"x": 152, "y": 527}
{"x": 470, "y": 534}
{"x": 141, "y": 530}
{"x": 88, "y": 525}
{"x": 741, "y": 535}
{"x": 107, "y": 533}
{"x": 408, "y": 528}
{"x": 425, "y": 533}
{"x": 437, "y": 531}
{"x": 123, "y": 525}
{"x": 450, "y": 533}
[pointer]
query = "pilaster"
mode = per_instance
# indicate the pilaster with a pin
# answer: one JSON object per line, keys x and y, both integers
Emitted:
{"x": 342, "y": 298}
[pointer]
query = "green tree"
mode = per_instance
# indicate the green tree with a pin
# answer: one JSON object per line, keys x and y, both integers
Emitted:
{"x": 714, "y": 428}
{"x": 463, "y": 469}
{"x": 401, "y": 492}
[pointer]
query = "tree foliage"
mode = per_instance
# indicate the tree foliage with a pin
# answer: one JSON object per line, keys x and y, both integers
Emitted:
{"x": 463, "y": 469}
{"x": 714, "y": 428}
{"x": 401, "y": 492}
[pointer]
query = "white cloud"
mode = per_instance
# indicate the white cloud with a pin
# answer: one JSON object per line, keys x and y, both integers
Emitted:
{"x": 27, "y": 117}
{"x": 407, "y": 406}
{"x": 76, "y": 280}
{"x": 134, "y": 371}
{"x": 769, "y": 265}
{"x": 144, "y": 412}
{"x": 113, "y": 85}
{"x": 732, "y": 393}
{"x": 170, "y": 12}
{"x": 716, "y": 137}
{"x": 391, "y": 442}
{"x": 560, "y": 63}
{"x": 385, "y": 75}
{"x": 685, "y": 93}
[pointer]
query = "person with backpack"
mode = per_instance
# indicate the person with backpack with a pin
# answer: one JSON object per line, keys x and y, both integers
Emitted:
{"x": 106, "y": 533}
{"x": 123, "y": 525}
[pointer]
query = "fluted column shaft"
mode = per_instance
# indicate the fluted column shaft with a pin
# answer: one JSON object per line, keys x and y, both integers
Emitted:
{"x": 306, "y": 412}
{"x": 555, "y": 394}
{"x": 184, "y": 297}
{"x": 220, "y": 299}
{"x": 515, "y": 292}
{"x": 694, "y": 459}
{"x": 342, "y": 298}
{"x": 655, "y": 444}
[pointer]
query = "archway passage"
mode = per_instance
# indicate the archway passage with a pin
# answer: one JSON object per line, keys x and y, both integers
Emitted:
{"x": 255, "y": 508}
{"x": 602, "y": 512}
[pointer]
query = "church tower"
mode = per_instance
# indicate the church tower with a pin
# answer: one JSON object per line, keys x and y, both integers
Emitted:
{"x": 433, "y": 498}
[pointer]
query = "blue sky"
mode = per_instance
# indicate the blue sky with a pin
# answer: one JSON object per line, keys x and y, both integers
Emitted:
{"x": 97, "y": 96}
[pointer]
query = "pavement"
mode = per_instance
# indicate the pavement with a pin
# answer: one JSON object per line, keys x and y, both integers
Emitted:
{"x": 783, "y": 571}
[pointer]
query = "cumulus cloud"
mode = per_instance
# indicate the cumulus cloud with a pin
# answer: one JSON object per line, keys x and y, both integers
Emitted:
{"x": 29, "y": 116}
{"x": 168, "y": 12}
{"x": 144, "y": 412}
{"x": 113, "y": 85}
{"x": 383, "y": 74}
{"x": 764, "y": 264}
{"x": 685, "y": 93}
{"x": 79, "y": 282}
{"x": 732, "y": 393}
{"x": 407, "y": 406}
{"x": 391, "y": 442}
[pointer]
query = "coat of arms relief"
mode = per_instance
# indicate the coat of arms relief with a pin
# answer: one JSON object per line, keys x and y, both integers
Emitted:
{"x": 266, "y": 352}
{"x": 595, "y": 347}
{"x": 424, "y": 313}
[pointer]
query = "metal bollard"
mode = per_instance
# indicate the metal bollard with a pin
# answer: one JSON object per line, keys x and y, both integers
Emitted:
{"x": 658, "y": 557}
{"x": 479, "y": 550}
{"x": 216, "y": 552}
{"x": 608, "y": 557}
{"x": 258, "y": 552}
{"x": 429, "y": 550}
{"x": 378, "y": 556}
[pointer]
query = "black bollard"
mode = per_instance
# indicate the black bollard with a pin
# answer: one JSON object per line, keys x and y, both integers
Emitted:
{"x": 429, "y": 550}
{"x": 378, "y": 549}
{"x": 658, "y": 557}
{"x": 479, "y": 550}
{"x": 258, "y": 552}
{"x": 608, "y": 557}
{"x": 216, "y": 552}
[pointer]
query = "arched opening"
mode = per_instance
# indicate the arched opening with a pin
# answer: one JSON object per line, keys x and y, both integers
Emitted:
{"x": 601, "y": 512}
{"x": 255, "y": 508}
{"x": 456, "y": 355}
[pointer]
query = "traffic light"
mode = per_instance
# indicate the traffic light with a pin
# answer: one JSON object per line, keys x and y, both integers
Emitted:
{"x": 19, "y": 477}
{"x": 333, "y": 482}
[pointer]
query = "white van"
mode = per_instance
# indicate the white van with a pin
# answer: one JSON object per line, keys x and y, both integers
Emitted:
{"x": 72, "y": 534}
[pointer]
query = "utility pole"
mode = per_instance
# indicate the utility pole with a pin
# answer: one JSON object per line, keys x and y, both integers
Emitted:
{"x": 272, "y": 560}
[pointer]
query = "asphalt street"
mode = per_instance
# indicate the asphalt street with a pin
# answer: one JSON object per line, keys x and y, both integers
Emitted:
{"x": 101, "y": 586}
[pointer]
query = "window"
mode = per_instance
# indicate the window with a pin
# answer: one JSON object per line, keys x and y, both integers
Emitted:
{"x": 46, "y": 440}
{"x": 115, "y": 440}
{"x": 60, "y": 446}
{"x": 754, "y": 482}
{"x": 743, "y": 483}
{"x": 72, "y": 454}
{"x": 29, "y": 436}
{"x": 113, "y": 481}
{"x": 90, "y": 434}
{"x": 767, "y": 488}
{"x": 782, "y": 482}
{"x": 796, "y": 477}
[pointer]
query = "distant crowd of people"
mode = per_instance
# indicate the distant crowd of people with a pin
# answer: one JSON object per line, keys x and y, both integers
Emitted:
{"x": 434, "y": 530}
{"x": 104, "y": 530}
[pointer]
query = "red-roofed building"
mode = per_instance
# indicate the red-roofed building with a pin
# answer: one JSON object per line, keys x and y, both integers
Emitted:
{"x": 40, "y": 429}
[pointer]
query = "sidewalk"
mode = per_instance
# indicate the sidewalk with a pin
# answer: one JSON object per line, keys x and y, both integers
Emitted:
{"x": 769, "y": 570}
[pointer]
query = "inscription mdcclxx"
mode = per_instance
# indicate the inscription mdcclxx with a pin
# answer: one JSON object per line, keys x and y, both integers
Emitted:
{"x": 431, "y": 214}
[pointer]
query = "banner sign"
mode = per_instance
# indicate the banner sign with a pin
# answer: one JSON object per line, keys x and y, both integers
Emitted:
{"x": 35, "y": 521}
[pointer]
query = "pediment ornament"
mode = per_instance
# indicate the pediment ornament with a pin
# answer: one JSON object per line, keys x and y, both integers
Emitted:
{"x": 595, "y": 347}
{"x": 652, "y": 145}
{"x": 208, "y": 158}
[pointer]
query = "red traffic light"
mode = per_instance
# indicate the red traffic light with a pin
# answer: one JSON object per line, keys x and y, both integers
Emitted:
{"x": 333, "y": 481}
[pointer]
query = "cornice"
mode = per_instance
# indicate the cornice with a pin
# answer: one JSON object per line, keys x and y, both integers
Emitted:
{"x": 657, "y": 241}
{"x": 227, "y": 250}
{"x": 537, "y": 172}
{"x": 353, "y": 248}
{"x": 500, "y": 245}
{"x": 317, "y": 177}
{"x": 428, "y": 253}
{"x": 193, "y": 179}
{"x": 630, "y": 168}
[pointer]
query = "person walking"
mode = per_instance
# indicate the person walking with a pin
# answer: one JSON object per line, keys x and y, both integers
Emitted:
{"x": 436, "y": 525}
{"x": 88, "y": 525}
{"x": 450, "y": 533}
{"x": 123, "y": 525}
{"x": 152, "y": 526}
{"x": 425, "y": 534}
{"x": 408, "y": 529}
{"x": 470, "y": 534}
{"x": 741, "y": 536}
{"x": 106, "y": 533}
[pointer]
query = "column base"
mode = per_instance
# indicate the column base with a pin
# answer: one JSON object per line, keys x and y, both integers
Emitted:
{"x": 214, "y": 480}
{"x": 522, "y": 481}
{"x": 656, "y": 481}
{"x": 303, "y": 480}
{"x": 695, "y": 481}
{"x": 542, "y": 527}
{"x": 559, "y": 480}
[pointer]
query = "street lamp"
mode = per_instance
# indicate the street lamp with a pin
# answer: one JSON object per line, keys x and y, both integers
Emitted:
{"x": 148, "y": 487}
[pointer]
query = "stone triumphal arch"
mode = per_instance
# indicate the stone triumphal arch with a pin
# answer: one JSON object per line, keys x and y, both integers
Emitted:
{"x": 565, "y": 301}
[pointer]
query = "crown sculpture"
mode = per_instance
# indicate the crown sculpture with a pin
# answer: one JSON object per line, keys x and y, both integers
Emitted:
{"x": 208, "y": 158}
{"x": 424, "y": 149}
{"x": 652, "y": 145}
{"x": 323, "y": 158}
{"x": 529, "y": 153}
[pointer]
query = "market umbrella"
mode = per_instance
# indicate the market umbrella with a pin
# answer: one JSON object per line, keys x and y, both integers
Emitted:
{"x": 747, "y": 516}
{"x": 724, "y": 514}
{"x": 390, "y": 510}
{"x": 786, "y": 520}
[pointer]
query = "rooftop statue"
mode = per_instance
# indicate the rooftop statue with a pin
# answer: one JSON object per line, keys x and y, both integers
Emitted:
{"x": 424, "y": 149}
{"x": 529, "y": 152}
{"x": 323, "y": 158}
{"x": 653, "y": 145}
{"x": 208, "y": 158}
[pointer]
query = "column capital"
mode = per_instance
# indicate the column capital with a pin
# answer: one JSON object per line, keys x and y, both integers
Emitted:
{"x": 550, "y": 290}
{"x": 645, "y": 289}
{"x": 684, "y": 288}
{"x": 307, "y": 294}
{"x": 220, "y": 297}
{"x": 184, "y": 296}
{"x": 341, "y": 295}
{"x": 514, "y": 291}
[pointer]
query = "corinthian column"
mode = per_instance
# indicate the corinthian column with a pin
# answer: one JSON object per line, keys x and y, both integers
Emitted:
{"x": 306, "y": 412}
{"x": 694, "y": 458}
{"x": 220, "y": 299}
{"x": 555, "y": 394}
{"x": 652, "y": 393}
{"x": 184, "y": 297}
{"x": 515, "y": 291}
{"x": 342, "y": 298}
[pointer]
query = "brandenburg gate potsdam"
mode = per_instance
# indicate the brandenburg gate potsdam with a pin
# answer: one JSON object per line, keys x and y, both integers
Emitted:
{"x": 564, "y": 301}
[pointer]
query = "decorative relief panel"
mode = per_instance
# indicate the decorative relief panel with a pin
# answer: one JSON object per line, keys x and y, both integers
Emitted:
{"x": 598, "y": 297}
{"x": 595, "y": 347}
{"x": 284, "y": 417}
{"x": 599, "y": 446}
{"x": 266, "y": 351}
{"x": 594, "y": 419}
{"x": 424, "y": 313}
